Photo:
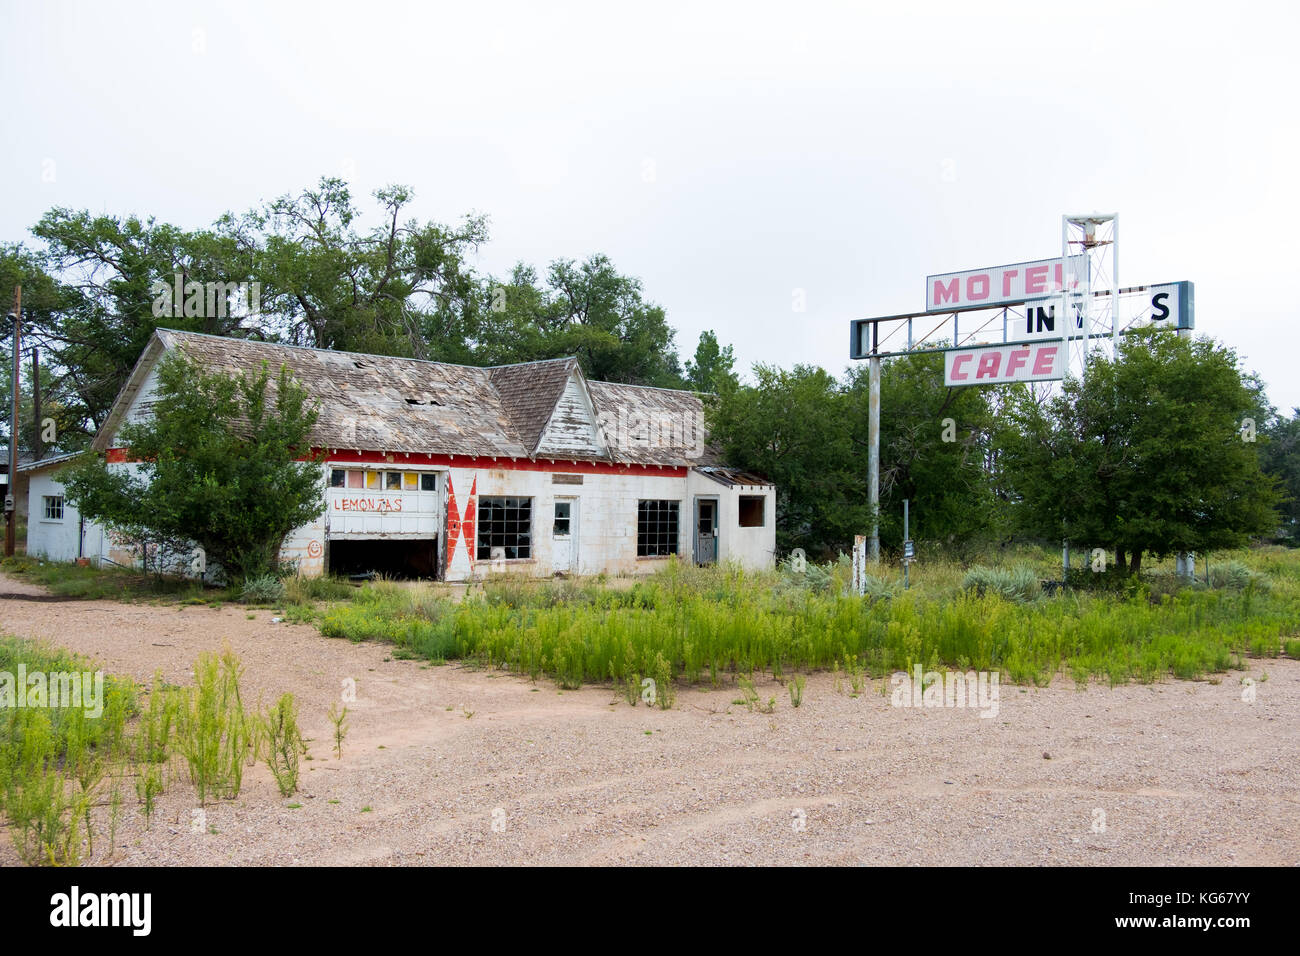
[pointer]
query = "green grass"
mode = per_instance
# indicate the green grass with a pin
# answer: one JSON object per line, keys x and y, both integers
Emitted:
{"x": 54, "y": 761}
{"x": 691, "y": 625}
{"x": 74, "y": 581}
{"x": 57, "y": 763}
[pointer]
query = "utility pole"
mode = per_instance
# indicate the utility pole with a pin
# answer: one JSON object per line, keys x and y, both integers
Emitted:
{"x": 11, "y": 495}
{"x": 38, "y": 449}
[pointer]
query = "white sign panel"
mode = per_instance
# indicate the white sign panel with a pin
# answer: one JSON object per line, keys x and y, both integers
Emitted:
{"x": 1001, "y": 284}
{"x": 1168, "y": 305}
{"x": 999, "y": 364}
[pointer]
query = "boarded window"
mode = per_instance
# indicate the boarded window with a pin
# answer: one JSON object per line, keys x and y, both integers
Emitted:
{"x": 410, "y": 481}
{"x": 566, "y": 479}
{"x": 505, "y": 523}
{"x": 53, "y": 507}
{"x": 356, "y": 479}
{"x": 751, "y": 511}
{"x": 373, "y": 479}
{"x": 656, "y": 528}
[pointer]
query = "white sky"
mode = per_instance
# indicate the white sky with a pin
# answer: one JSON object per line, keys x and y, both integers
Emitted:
{"x": 725, "y": 154}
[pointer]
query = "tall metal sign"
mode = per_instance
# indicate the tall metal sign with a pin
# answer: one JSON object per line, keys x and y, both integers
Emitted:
{"x": 1024, "y": 322}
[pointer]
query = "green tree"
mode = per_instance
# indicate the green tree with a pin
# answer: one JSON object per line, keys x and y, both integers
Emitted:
{"x": 588, "y": 310}
{"x": 219, "y": 465}
{"x": 1144, "y": 454}
{"x": 102, "y": 310}
{"x": 794, "y": 429}
{"x": 1280, "y": 457}
{"x": 712, "y": 368}
{"x": 63, "y": 396}
{"x": 402, "y": 288}
{"x": 935, "y": 451}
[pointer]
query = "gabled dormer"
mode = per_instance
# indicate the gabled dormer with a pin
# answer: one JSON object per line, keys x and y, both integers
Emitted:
{"x": 573, "y": 428}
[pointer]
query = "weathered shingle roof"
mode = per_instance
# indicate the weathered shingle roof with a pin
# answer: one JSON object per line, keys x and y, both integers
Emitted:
{"x": 529, "y": 392}
{"x": 655, "y": 426}
{"x": 392, "y": 404}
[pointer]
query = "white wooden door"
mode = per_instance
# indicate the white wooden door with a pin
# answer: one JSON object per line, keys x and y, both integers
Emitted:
{"x": 564, "y": 536}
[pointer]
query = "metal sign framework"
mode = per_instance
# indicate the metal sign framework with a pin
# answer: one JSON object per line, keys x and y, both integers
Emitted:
{"x": 866, "y": 339}
{"x": 1090, "y": 261}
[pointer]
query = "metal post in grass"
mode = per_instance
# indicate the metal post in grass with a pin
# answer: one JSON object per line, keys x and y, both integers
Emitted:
{"x": 907, "y": 548}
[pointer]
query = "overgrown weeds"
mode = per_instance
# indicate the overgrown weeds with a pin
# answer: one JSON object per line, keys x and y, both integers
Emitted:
{"x": 213, "y": 732}
{"x": 284, "y": 743}
{"x": 687, "y": 625}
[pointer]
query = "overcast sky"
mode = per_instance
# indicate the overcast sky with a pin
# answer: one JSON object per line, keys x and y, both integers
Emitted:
{"x": 728, "y": 155}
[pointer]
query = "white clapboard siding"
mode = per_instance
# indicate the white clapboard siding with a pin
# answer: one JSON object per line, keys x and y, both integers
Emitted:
{"x": 572, "y": 428}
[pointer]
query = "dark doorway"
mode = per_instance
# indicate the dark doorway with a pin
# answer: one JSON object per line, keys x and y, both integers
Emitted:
{"x": 392, "y": 557}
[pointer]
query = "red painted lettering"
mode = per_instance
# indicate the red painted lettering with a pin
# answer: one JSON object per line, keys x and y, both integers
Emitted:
{"x": 988, "y": 367}
{"x": 977, "y": 287}
{"x": 1016, "y": 359}
{"x": 1006, "y": 282}
{"x": 1036, "y": 280}
{"x": 1045, "y": 360}
{"x": 956, "y": 364}
{"x": 950, "y": 294}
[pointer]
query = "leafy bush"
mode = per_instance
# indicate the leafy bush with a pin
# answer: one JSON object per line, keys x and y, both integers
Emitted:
{"x": 262, "y": 589}
{"x": 1234, "y": 576}
{"x": 1019, "y": 584}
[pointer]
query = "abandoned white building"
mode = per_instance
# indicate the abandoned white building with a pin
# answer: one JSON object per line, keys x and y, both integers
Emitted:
{"x": 452, "y": 472}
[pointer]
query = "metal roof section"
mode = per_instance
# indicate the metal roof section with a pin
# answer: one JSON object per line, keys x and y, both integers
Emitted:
{"x": 48, "y": 462}
{"x": 733, "y": 477}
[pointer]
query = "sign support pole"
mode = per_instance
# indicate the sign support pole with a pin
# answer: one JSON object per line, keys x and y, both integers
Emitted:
{"x": 873, "y": 453}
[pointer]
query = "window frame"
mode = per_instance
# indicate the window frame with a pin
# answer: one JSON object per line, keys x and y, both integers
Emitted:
{"x": 663, "y": 538}
{"x": 48, "y": 505}
{"x": 489, "y": 527}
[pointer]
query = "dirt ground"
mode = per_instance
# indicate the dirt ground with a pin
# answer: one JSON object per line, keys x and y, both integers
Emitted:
{"x": 450, "y": 765}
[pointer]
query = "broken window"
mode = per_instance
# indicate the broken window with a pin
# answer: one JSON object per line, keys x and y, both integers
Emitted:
{"x": 505, "y": 523}
{"x": 656, "y": 528}
{"x": 751, "y": 511}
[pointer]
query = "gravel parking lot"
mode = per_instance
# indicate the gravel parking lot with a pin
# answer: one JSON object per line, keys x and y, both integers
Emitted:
{"x": 452, "y": 765}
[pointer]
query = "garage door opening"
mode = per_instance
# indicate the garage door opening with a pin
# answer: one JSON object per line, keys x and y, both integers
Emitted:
{"x": 407, "y": 558}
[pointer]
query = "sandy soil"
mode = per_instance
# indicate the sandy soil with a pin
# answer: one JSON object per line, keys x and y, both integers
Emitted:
{"x": 448, "y": 765}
